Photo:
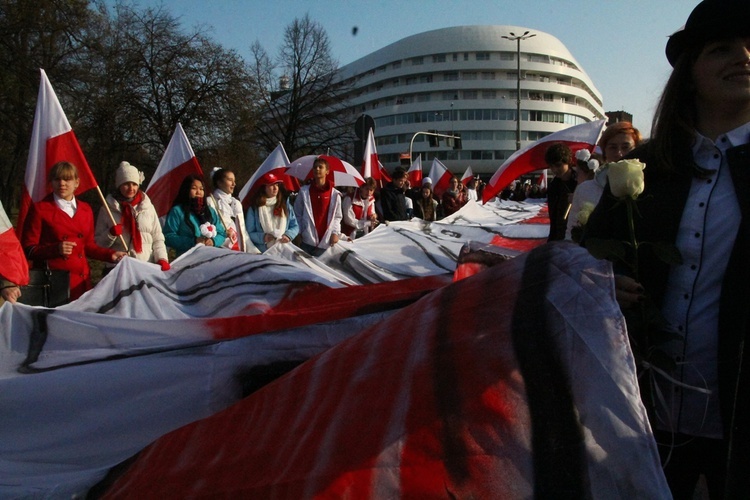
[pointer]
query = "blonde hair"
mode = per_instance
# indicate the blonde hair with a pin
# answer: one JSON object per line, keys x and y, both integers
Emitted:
{"x": 62, "y": 170}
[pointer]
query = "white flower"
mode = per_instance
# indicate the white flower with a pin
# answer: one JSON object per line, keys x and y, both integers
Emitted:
{"x": 208, "y": 230}
{"x": 626, "y": 178}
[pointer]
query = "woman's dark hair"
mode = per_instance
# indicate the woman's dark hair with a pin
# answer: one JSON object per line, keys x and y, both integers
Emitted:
{"x": 219, "y": 175}
{"x": 673, "y": 127}
{"x": 259, "y": 198}
{"x": 183, "y": 198}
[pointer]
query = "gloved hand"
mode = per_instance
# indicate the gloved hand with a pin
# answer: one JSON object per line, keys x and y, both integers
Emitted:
{"x": 116, "y": 230}
{"x": 164, "y": 265}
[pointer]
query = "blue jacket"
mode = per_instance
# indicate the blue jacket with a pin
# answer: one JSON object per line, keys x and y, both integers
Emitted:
{"x": 255, "y": 230}
{"x": 181, "y": 236}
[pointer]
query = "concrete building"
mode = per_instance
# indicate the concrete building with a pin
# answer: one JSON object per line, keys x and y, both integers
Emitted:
{"x": 463, "y": 80}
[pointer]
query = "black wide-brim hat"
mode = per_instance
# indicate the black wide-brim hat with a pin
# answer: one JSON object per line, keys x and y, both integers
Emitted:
{"x": 710, "y": 20}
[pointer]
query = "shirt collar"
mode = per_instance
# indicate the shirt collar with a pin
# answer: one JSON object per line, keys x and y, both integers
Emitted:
{"x": 736, "y": 137}
{"x": 62, "y": 203}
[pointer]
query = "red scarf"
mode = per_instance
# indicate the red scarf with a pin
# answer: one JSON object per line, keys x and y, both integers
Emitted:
{"x": 129, "y": 223}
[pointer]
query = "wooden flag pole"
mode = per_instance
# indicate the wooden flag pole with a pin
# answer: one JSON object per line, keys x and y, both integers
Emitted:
{"x": 111, "y": 217}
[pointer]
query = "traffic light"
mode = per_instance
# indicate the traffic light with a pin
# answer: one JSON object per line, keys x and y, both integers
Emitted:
{"x": 457, "y": 141}
{"x": 433, "y": 140}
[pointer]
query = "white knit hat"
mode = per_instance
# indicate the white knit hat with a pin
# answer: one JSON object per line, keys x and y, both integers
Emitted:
{"x": 426, "y": 180}
{"x": 128, "y": 173}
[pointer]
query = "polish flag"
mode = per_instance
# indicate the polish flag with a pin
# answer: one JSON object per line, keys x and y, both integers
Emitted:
{"x": 530, "y": 158}
{"x": 13, "y": 265}
{"x": 468, "y": 175}
{"x": 371, "y": 166}
{"x": 542, "y": 181}
{"x": 178, "y": 162}
{"x": 414, "y": 174}
{"x": 52, "y": 141}
{"x": 276, "y": 163}
{"x": 441, "y": 177}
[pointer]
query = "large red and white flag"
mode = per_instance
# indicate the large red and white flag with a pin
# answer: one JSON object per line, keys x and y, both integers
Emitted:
{"x": 52, "y": 141}
{"x": 371, "y": 166}
{"x": 178, "y": 162}
{"x": 468, "y": 176}
{"x": 276, "y": 163}
{"x": 13, "y": 265}
{"x": 441, "y": 177}
{"x": 414, "y": 174}
{"x": 531, "y": 157}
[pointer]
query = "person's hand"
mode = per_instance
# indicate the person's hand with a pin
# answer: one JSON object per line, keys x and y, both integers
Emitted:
{"x": 285, "y": 239}
{"x": 628, "y": 291}
{"x": 334, "y": 239}
{"x": 66, "y": 247}
{"x": 206, "y": 241}
{"x": 11, "y": 293}
{"x": 118, "y": 256}
{"x": 164, "y": 265}
{"x": 116, "y": 230}
{"x": 268, "y": 238}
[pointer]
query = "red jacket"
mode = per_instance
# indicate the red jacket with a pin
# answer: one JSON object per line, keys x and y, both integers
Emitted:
{"x": 47, "y": 225}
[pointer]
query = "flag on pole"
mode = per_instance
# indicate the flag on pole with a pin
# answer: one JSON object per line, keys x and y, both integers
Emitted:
{"x": 178, "y": 162}
{"x": 468, "y": 176}
{"x": 542, "y": 181}
{"x": 531, "y": 157}
{"x": 371, "y": 166}
{"x": 13, "y": 265}
{"x": 52, "y": 141}
{"x": 276, "y": 163}
{"x": 441, "y": 177}
{"x": 414, "y": 174}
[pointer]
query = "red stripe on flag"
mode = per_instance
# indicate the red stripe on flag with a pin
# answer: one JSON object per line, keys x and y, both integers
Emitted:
{"x": 164, "y": 190}
{"x": 65, "y": 147}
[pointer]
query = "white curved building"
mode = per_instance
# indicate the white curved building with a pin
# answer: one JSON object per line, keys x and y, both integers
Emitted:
{"x": 463, "y": 80}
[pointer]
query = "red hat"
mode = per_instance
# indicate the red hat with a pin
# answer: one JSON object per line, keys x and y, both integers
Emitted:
{"x": 269, "y": 179}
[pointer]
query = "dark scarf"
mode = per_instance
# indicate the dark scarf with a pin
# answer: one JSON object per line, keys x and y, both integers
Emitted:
{"x": 128, "y": 219}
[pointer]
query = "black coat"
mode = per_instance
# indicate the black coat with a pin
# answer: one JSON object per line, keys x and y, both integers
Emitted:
{"x": 661, "y": 206}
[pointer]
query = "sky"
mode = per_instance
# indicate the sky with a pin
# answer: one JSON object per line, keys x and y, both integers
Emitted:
{"x": 619, "y": 44}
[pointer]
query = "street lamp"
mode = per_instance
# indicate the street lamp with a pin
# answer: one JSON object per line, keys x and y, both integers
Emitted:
{"x": 517, "y": 39}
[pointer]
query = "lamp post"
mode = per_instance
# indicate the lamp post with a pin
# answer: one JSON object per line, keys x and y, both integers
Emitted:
{"x": 517, "y": 39}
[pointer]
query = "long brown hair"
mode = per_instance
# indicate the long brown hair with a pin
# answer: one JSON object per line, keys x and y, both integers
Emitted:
{"x": 673, "y": 127}
{"x": 259, "y": 199}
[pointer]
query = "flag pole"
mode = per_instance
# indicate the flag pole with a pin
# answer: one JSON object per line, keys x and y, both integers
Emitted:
{"x": 111, "y": 217}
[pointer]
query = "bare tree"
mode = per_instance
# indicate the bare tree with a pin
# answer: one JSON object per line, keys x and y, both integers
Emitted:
{"x": 303, "y": 104}
{"x": 40, "y": 34}
{"x": 147, "y": 75}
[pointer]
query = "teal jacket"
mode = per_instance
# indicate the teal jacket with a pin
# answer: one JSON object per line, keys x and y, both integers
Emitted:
{"x": 180, "y": 235}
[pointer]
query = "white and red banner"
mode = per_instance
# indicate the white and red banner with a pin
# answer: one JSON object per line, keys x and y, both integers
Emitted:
{"x": 468, "y": 176}
{"x": 531, "y": 157}
{"x": 441, "y": 177}
{"x": 542, "y": 181}
{"x": 414, "y": 174}
{"x": 371, "y": 166}
{"x": 178, "y": 162}
{"x": 13, "y": 265}
{"x": 276, "y": 163}
{"x": 52, "y": 141}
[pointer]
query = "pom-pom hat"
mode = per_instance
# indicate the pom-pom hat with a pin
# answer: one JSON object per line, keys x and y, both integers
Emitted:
{"x": 128, "y": 173}
{"x": 710, "y": 20}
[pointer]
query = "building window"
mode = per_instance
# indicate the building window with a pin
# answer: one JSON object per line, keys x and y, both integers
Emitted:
{"x": 425, "y": 79}
{"x": 488, "y": 75}
{"x": 466, "y": 56}
{"x": 507, "y": 56}
{"x": 438, "y": 58}
{"x": 416, "y": 61}
{"x": 489, "y": 94}
{"x": 395, "y": 82}
{"x": 450, "y": 76}
{"x": 469, "y": 75}
{"x": 455, "y": 57}
{"x": 397, "y": 65}
{"x": 449, "y": 96}
{"x": 423, "y": 97}
{"x": 411, "y": 80}
{"x": 483, "y": 56}
{"x": 470, "y": 94}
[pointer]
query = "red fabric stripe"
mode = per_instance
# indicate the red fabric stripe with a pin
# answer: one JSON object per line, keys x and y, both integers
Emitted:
{"x": 164, "y": 190}
{"x": 13, "y": 265}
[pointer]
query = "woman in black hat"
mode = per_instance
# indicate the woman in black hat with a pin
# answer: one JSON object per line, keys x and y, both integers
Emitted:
{"x": 697, "y": 197}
